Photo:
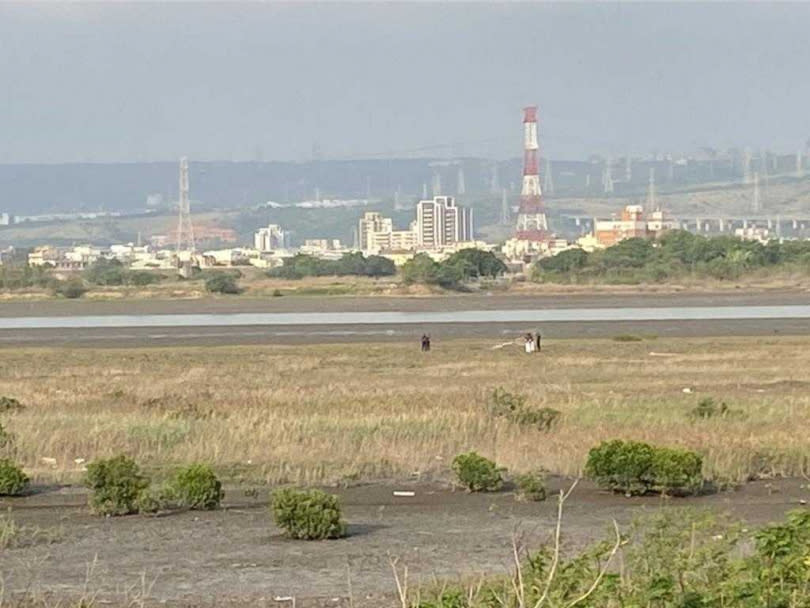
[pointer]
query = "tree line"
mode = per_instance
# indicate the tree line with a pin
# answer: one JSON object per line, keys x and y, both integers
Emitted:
{"x": 675, "y": 254}
{"x": 460, "y": 267}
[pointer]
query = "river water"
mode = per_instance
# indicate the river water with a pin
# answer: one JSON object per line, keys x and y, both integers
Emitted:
{"x": 685, "y": 313}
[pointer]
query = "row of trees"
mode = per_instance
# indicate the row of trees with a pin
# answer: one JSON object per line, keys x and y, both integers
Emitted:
{"x": 113, "y": 272}
{"x": 675, "y": 254}
{"x": 462, "y": 266}
{"x": 302, "y": 265}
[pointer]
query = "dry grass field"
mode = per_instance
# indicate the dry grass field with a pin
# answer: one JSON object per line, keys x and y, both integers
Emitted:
{"x": 340, "y": 413}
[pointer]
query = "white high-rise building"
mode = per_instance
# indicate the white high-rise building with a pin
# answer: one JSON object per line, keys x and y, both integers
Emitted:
{"x": 441, "y": 222}
{"x": 370, "y": 225}
{"x": 270, "y": 239}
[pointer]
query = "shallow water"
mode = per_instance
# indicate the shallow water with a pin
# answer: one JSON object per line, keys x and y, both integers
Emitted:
{"x": 685, "y": 313}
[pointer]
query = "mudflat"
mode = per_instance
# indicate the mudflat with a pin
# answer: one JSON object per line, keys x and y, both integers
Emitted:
{"x": 236, "y": 556}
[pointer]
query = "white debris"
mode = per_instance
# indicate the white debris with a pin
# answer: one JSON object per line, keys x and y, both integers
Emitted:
{"x": 687, "y": 390}
{"x": 48, "y": 460}
{"x": 403, "y": 493}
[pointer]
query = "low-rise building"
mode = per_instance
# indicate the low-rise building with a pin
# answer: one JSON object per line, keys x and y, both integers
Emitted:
{"x": 630, "y": 224}
{"x": 126, "y": 254}
{"x": 753, "y": 233}
{"x": 660, "y": 221}
{"x": 322, "y": 245}
{"x": 46, "y": 255}
{"x": 271, "y": 238}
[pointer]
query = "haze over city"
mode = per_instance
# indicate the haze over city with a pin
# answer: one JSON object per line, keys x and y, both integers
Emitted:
{"x": 144, "y": 81}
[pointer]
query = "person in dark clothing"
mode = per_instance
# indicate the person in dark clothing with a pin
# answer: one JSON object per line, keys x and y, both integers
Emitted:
{"x": 425, "y": 343}
{"x": 538, "y": 341}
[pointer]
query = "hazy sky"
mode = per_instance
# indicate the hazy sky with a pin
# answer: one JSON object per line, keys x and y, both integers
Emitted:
{"x": 236, "y": 81}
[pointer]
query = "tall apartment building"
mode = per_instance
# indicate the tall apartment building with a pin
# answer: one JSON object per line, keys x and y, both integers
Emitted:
{"x": 441, "y": 222}
{"x": 371, "y": 226}
{"x": 270, "y": 238}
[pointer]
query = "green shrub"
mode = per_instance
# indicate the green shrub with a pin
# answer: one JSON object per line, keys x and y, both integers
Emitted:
{"x": 141, "y": 278}
{"x": 222, "y": 283}
{"x": 307, "y": 514}
{"x": 9, "y": 404}
{"x": 708, "y": 408}
{"x": 71, "y": 289}
{"x": 503, "y": 403}
{"x": 627, "y": 338}
{"x": 152, "y": 500}
{"x": 512, "y": 406}
{"x": 531, "y": 486}
{"x": 676, "y": 471}
{"x": 116, "y": 484}
{"x": 543, "y": 418}
{"x": 196, "y": 487}
{"x": 12, "y": 480}
{"x": 636, "y": 468}
{"x": 446, "y": 598}
{"x": 476, "y": 473}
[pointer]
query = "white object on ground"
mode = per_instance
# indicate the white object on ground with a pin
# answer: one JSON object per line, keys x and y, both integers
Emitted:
{"x": 403, "y": 493}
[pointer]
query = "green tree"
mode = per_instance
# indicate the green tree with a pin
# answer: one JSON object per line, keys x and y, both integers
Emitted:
{"x": 476, "y": 263}
{"x": 565, "y": 262}
{"x": 421, "y": 269}
{"x": 221, "y": 282}
{"x": 105, "y": 272}
{"x": 379, "y": 266}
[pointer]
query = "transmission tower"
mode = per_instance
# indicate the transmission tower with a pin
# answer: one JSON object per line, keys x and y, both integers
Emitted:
{"x": 493, "y": 179}
{"x": 651, "y": 204}
{"x": 747, "y": 166}
{"x": 607, "y": 177}
{"x": 185, "y": 231}
{"x": 531, "y": 223}
{"x": 437, "y": 182}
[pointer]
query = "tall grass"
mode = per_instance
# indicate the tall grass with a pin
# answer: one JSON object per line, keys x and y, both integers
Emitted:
{"x": 316, "y": 414}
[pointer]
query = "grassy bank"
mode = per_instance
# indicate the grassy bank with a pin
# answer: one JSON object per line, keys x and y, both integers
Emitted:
{"x": 347, "y": 412}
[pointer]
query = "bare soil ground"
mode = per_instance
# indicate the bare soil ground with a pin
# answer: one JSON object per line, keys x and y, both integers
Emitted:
{"x": 235, "y": 556}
